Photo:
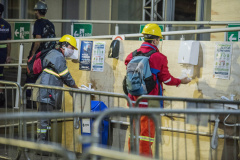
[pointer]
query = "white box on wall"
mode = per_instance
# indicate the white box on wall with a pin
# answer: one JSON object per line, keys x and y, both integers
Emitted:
{"x": 188, "y": 52}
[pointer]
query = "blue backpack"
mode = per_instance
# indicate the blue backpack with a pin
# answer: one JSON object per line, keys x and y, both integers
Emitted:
{"x": 139, "y": 79}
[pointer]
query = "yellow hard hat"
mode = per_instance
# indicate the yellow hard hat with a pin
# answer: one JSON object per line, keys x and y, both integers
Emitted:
{"x": 70, "y": 39}
{"x": 152, "y": 29}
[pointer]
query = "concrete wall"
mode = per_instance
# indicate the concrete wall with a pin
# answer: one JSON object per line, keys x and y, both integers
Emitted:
{"x": 100, "y": 10}
{"x": 55, "y": 13}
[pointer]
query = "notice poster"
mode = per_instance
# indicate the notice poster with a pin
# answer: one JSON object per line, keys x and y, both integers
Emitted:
{"x": 98, "y": 56}
{"x": 85, "y": 55}
{"x": 222, "y": 61}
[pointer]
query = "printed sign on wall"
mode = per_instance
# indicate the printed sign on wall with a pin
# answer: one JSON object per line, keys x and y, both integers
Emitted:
{"x": 222, "y": 61}
{"x": 85, "y": 55}
{"x": 98, "y": 56}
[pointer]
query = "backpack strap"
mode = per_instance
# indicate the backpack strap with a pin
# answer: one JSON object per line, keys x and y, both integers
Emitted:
{"x": 136, "y": 53}
{"x": 150, "y": 53}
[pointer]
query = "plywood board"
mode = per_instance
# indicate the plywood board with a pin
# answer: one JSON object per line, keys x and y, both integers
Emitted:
{"x": 224, "y": 10}
{"x": 203, "y": 84}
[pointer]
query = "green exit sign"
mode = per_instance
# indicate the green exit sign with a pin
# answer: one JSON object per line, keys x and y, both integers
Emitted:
{"x": 233, "y": 36}
{"x": 21, "y": 30}
{"x": 82, "y": 30}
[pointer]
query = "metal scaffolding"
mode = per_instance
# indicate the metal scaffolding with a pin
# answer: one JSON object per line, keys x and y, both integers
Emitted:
{"x": 150, "y": 9}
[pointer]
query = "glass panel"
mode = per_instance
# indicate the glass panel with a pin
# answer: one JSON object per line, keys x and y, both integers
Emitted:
{"x": 13, "y": 8}
{"x": 30, "y": 11}
{"x": 185, "y": 10}
{"x": 126, "y": 10}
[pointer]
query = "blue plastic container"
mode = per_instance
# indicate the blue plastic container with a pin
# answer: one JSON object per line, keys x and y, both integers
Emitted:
{"x": 96, "y": 106}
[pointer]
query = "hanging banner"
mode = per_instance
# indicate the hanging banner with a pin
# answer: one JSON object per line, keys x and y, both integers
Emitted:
{"x": 222, "y": 60}
{"x": 85, "y": 55}
{"x": 98, "y": 56}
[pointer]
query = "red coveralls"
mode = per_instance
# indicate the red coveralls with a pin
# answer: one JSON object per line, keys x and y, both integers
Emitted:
{"x": 158, "y": 64}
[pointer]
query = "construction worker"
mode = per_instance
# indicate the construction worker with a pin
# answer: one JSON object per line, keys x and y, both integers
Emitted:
{"x": 5, "y": 49}
{"x": 56, "y": 74}
{"x": 43, "y": 28}
{"x": 159, "y": 68}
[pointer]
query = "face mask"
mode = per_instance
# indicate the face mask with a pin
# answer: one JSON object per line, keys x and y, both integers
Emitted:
{"x": 68, "y": 52}
{"x": 158, "y": 46}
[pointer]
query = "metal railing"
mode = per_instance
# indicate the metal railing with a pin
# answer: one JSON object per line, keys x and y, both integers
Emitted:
{"x": 175, "y": 137}
{"x": 101, "y": 94}
{"x": 18, "y": 91}
{"x": 117, "y": 23}
{"x": 196, "y": 103}
{"x": 81, "y": 101}
{"x": 210, "y": 102}
{"x": 21, "y": 48}
{"x": 27, "y": 147}
{"x": 130, "y": 35}
{"x": 137, "y": 112}
{"x": 129, "y": 22}
{"x": 50, "y": 147}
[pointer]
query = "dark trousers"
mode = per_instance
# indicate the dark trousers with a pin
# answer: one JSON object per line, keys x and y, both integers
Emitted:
{"x": 44, "y": 125}
{"x": 3, "y": 56}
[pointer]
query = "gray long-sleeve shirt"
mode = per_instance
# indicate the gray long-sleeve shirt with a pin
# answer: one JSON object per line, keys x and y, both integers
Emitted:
{"x": 56, "y": 74}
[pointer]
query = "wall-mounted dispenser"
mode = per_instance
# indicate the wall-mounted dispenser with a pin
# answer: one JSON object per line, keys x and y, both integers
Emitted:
{"x": 188, "y": 56}
{"x": 114, "y": 49}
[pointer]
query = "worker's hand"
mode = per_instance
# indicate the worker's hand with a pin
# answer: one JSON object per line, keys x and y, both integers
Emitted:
{"x": 185, "y": 80}
{"x": 8, "y": 59}
{"x": 75, "y": 86}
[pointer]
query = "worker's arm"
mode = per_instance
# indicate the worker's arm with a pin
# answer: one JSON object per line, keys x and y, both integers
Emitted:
{"x": 8, "y": 60}
{"x": 36, "y": 45}
{"x": 165, "y": 76}
{"x": 62, "y": 70}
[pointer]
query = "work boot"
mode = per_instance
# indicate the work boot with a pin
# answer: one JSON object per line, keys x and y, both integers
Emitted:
{"x": 2, "y": 99}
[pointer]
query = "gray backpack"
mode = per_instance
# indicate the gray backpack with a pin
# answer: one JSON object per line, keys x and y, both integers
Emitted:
{"x": 139, "y": 79}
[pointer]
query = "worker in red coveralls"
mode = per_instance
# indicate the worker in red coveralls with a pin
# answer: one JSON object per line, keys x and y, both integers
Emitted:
{"x": 159, "y": 67}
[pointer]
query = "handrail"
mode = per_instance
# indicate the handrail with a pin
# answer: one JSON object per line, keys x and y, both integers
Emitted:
{"x": 207, "y": 101}
{"x": 129, "y": 22}
{"x": 50, "y": 147}
{"x": 73, "y": 90}
{"x": 150, "y": 112}
{"x": 131, "y": 35}
{"x": 18, "y": 93}
{"x": 112, "y": 154}
{"x": 13, "y": 64}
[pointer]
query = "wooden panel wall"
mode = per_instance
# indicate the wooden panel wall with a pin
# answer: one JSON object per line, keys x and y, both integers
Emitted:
{"x": 224, "y": 10}
{"x": 203, "y": 84}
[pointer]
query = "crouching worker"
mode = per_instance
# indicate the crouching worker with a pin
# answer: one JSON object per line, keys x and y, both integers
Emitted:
{"x": 55, "y": 73}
